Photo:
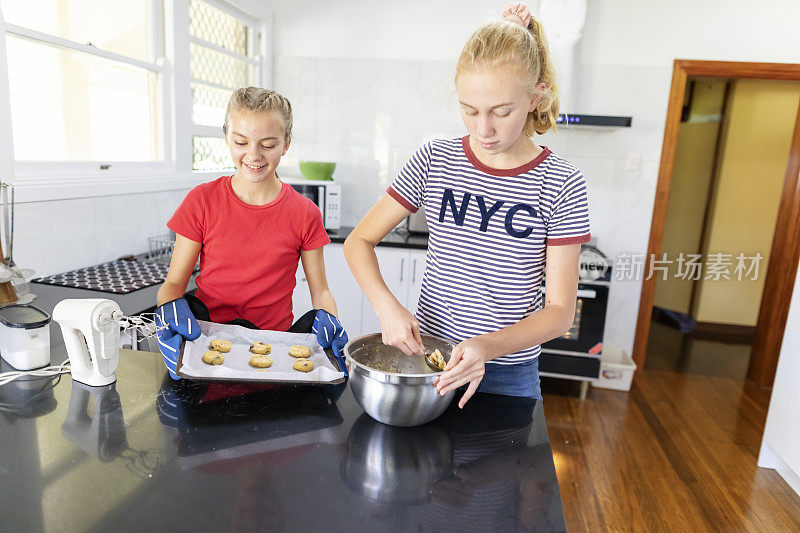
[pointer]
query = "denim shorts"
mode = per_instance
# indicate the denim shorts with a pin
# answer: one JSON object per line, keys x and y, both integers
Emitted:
{"x": 512, "y": 380}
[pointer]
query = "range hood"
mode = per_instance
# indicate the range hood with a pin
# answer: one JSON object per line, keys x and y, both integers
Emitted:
{"x": 564, "y": 21}
{"x": 569, "y": 120}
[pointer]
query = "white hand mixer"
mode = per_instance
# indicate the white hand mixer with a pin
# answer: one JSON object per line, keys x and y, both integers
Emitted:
{"x": 91, "y": 331}
{"x": 91, "y": 335}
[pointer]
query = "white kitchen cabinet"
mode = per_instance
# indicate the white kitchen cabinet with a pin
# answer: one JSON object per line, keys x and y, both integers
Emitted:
{"x": 344, "y": 288}
{"x": 393, "y": 263}
{"x": 342, "y": 285}
{"x": 402, "y": 270}
{"x": 417, "y": 265}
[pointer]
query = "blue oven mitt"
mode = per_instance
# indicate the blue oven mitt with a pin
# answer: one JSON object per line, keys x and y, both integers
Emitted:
{"x": 176, "y": 323}
{"x": 331, "y": 334}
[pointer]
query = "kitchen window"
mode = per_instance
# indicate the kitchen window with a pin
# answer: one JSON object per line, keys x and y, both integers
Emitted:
{"x": 223, "y": 46}
{"x": 85, "y": 85}
{"x": 112, "y": 96}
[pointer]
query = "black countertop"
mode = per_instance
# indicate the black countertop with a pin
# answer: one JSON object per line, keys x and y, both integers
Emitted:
{"x": 395, "y": 239}
{"x": 146, "y": 452}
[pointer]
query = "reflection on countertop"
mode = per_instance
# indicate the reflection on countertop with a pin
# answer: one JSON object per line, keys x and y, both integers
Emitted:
{"x": 150, "y": 452}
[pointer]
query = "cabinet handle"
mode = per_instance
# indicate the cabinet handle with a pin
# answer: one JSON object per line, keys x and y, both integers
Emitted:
{"x": 414, "y": 272}
{"x": 402, "y": 267}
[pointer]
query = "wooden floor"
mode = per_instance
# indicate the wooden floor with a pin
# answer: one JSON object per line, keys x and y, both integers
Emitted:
{"x": 676, "y": 453}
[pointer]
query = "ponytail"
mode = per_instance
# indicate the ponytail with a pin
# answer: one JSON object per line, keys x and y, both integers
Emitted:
{"x": 544, "y": 116}
{"x": 505, "y": 43}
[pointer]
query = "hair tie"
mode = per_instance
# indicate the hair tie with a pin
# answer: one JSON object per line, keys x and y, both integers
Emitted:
{"x": 518, "y": 13}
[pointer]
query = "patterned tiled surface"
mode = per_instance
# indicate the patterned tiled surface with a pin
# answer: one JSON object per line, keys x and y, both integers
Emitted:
{"x": 118, "y": 277}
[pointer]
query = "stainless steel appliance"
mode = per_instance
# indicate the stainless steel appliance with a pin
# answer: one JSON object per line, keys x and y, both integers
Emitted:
{"x": 327, "y": 195}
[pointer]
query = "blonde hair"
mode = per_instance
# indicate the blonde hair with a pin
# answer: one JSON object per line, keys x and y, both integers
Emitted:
{"x": 506, "y": 44}
{"x": 262, "y": 101}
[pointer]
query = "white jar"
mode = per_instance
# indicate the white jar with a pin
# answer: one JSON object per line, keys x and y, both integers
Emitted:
{"x": 24, "y": 336}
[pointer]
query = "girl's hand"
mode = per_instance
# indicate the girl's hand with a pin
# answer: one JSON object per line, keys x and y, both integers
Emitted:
{"x": 518, "y": 13}
{"x": 466, "y": 365}
{"x": 400, "y": 329}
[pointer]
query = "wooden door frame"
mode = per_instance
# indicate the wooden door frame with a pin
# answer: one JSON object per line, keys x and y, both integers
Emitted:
{"x": 785, "y": 250}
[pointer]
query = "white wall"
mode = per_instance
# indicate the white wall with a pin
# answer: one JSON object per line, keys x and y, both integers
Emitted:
{"x": 421, "y": 30}
{"x": 370, "y": 82}
{"x": 780, "y": 446}
{"x": 625, "y": 32}
{"x": 626, "y": 68}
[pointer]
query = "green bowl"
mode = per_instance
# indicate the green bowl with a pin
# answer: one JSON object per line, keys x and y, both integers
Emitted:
{"x": 317, "y": 170}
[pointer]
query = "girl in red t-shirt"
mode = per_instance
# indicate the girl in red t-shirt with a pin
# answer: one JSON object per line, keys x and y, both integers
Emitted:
{"x": 249, "y": 230}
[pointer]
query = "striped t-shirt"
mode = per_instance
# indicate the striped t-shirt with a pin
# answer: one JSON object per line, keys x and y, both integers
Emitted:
{"x": 489, "y": 229}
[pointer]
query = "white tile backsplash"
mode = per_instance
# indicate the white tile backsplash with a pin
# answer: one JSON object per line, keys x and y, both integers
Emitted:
{"x": 58, "y": 236}
{"x": 369, "y": 116}
{"x": 124, "y": 223}
{"x": 53, "y": 237}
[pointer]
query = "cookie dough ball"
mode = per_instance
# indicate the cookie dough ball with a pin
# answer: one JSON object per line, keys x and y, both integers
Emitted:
{"x": 213, "y": 358}
{"x": 304, "y": 365}
{"x": 437, "y": 359}
{"x": 261, "y": 361}
{"x": 220, "y": 346}
{"x": 299, "y": 350}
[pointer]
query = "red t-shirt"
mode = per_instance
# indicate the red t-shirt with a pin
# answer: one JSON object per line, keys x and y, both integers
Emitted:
{"x": 250, "y": 252}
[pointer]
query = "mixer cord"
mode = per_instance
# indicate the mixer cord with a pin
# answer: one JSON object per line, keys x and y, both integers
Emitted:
{"x": 50, "y": 371}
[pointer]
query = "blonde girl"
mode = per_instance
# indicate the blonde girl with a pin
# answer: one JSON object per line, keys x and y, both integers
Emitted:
{"x": 502, "y": 212}
{"x": 250, "y": 230}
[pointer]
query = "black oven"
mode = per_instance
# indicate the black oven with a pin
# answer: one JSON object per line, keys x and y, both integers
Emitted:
{"x": 577, "y": 352}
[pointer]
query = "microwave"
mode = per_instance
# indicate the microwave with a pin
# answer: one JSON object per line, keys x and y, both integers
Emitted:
{"x": 326, "y": 194}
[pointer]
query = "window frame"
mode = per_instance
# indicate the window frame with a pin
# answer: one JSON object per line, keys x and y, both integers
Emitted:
{"x": 27, "y": 169}
{"x": 257, "y": 37}
{"x": 50, "y": 180}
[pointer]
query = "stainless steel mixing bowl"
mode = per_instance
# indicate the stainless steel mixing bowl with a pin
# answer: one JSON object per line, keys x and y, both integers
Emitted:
{"x": 392, "y": 387}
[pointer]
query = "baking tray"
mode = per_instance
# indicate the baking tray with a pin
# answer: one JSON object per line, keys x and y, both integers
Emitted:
{"x": 236, "y": 366}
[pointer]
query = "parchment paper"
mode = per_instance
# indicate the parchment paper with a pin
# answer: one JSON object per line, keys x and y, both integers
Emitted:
{"x": 237, "y": 362}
